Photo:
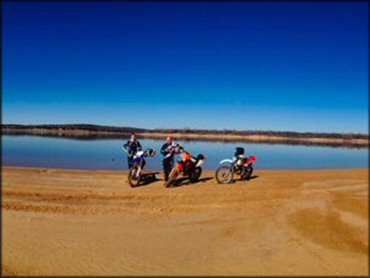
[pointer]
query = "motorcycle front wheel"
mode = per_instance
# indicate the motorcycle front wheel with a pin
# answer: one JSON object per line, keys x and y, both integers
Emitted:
{"x": 132, "y": 177}
{"x": 224, "y": 175}
{"x": 172, "y": 177}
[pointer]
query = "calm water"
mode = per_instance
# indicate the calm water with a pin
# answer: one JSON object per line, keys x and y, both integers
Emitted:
{"x": 107, "y": 154}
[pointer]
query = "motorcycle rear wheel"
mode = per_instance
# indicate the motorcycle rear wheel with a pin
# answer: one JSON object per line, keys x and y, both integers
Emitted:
{"x": 224, "y": 175}
{"x": 247, "y": 173}
{"x": 195, "y": 175}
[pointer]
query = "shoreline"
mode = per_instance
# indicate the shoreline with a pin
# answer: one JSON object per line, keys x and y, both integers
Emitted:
{"x": 271, "y": 137}
{"x": 281, "y": 222}
{"x": 208, "y": 171}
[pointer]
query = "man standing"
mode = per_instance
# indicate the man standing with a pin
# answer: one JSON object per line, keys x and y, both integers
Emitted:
{"x": 132, "y": 146}
{"x": 168, "y": 151}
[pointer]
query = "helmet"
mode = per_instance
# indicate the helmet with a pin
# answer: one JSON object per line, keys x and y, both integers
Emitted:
{"x": 178, "y": 149}
{"x": 239, "y": 151}
{"x": 174, "y": 145}
{"x": 151, "y": 152}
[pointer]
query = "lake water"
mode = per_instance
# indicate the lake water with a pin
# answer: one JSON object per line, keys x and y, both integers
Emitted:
{"x": 107, "y": 154}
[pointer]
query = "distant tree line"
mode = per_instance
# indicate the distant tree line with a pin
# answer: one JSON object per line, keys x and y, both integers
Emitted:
{"x": 6, "y": 128}
{"x": 266, "y": 133}
{"x": 85, "y": 127}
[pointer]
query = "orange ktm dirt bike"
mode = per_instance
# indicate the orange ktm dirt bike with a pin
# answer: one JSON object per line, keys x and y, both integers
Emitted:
{"x": 188, "y": 166}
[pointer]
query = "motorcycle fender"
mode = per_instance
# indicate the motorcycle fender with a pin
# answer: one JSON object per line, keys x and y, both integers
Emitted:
{"x": 200, "y": 163}
{"x": 226, "y": 161}
{"x": 250, "y": 160}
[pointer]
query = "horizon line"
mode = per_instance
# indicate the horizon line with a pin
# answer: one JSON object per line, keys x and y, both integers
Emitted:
{"x": 184, "y": 128}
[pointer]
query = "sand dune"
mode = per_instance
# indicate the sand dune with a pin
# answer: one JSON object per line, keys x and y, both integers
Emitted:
{"x": 72, "y": 222}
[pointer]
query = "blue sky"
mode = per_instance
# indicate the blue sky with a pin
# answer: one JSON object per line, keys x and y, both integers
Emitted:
{"x": 296, "y": 66}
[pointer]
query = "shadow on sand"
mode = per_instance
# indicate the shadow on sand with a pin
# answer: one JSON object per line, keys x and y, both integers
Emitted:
{"x": 238, "y": 180}
{"x": 185, "y": 181}
{"x": 146, "y": 180}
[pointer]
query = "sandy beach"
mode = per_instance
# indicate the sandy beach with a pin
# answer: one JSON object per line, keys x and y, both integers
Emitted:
{"x": 281, "y": 222}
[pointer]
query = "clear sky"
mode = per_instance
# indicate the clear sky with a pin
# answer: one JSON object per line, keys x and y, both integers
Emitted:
{"x": 295, "y": 66}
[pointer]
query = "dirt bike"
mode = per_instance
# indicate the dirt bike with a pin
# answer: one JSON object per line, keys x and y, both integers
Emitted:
{"x": 136, "y": 175}
{"x": 188, "y": 166}
{"x": 239, "y": 165}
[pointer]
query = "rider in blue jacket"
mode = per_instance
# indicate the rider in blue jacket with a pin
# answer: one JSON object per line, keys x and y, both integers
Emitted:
{"x": 132, "y": 146}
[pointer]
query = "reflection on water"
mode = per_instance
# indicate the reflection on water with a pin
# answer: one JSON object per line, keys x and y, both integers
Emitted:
{"x": 107, "y": 154}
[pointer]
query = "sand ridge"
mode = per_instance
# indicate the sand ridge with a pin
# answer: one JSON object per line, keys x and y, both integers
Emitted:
{"x": 74, "y": 222}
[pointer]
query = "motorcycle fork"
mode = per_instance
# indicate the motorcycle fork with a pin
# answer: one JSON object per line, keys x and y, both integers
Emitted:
{"x": 138, "y": 171}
